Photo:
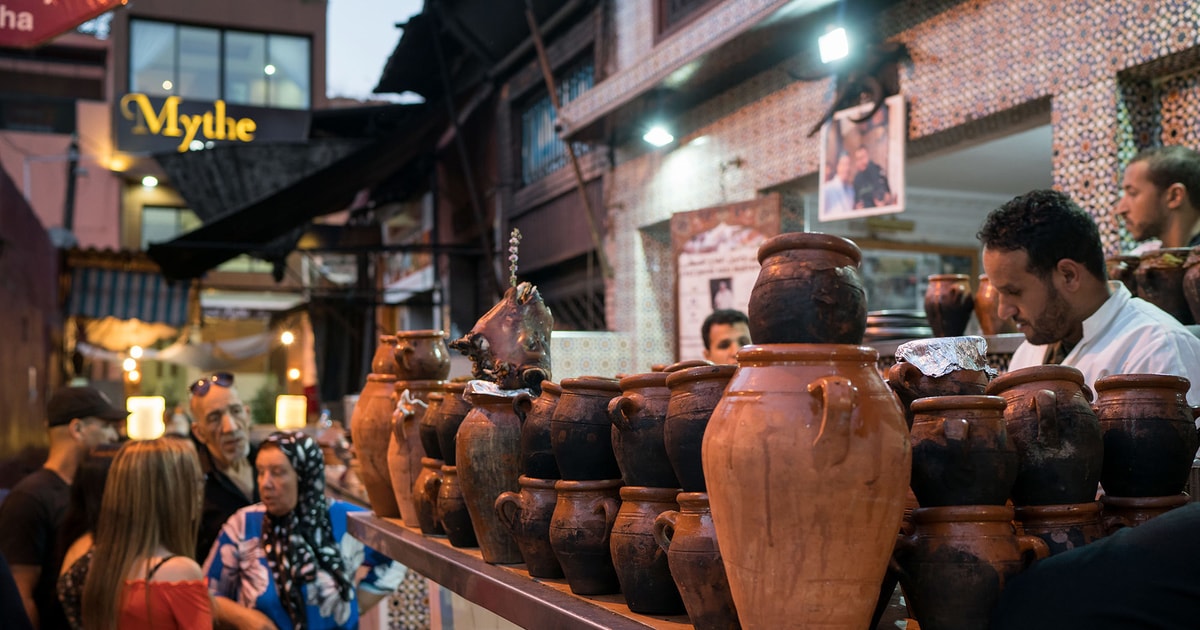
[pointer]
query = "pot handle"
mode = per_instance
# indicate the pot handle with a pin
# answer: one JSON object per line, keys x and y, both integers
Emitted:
{"x": 1032, "y": 549}
{"x": 522, "y": 404}
{"x": 664, "y": 529}
{"x": 404, "y": 356}
{"x": 608, "y": 506}
{"x": 1045, "y": 405}
{"x": 837, "y": 397}
{"x": 1113, "y": 522}
{"x": 621, "y": 407}
{"x": 905, "y": 543}
{"x": 508, "y": 509}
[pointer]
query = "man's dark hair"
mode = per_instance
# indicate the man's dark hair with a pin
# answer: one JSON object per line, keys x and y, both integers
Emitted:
{"x": 1173, "y": 165}
{"x": 722, "y": 316}
{"x": 1049, "y": 227}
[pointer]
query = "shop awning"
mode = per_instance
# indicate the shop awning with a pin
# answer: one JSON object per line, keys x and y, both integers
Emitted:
{"x": 145, "y": 296}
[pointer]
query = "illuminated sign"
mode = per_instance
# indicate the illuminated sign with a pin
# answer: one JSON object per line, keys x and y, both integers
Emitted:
{"x": 156, "y": 124}
{"x": 28, "y": 23}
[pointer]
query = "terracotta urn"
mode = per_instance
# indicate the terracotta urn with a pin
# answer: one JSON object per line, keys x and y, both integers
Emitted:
{"x": 537, "y": 454}
{"x": 694, "y": 394}
{"x": 452, "y": 510}
{"x": 581, "y": 430}
{"x": 448, "y": 416}
{"x": 949, "y": 303}
{"x": 1150, "y": 434}
{"x": 427, "y": 428}
{"x": 527, "y": 515}
{"x": 641, "y": 564}
{"x": 955, "y": 565}
{"x": 910, "y": 384}
{"x": 961, "y": 451}
{"x": 1123, "y": 269}
{"x": 580, "y": 529}
{"x": 384, "y": 359}
{"x": 404, "y": 450}
{"x": 638, "y": 418}
{"x": 1133, "y": 511}
{"x": 425, "y": 491}
{"x": 422, "y": 355}
{"x": 690, "y": 540}
{"x": 1160, "y": 281}
{"x": 1062, "y": 527}
{"x": 807, "y": 461}
{"x": 371, "y": 430}
{"x": 808, "y": 291}
{"x": 489, "y": 443}
{"x": 685, "y": 365}
{"x": 987, "y": 310}
{"x": 1058, "y": 438}
{"x": 1191, "y": 282}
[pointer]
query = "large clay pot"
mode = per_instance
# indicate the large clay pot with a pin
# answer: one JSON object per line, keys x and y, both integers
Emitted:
{"x": 581, "y": 431}
{"x": 1160, "y": 281}
{"x": 694, "y": 394}
{"x": 422, "y": 355}
{"x": 527, "y": 515}
{"x": 807, "y": 461}
{"x": 808, "y": 291}
{"x": 580, "y": 528}
{"x": 450, "y": 415}
{"x": 489, "y": 443}
{"x": 955, "y": 565}
{"x": 384, "y": 359}
{"x": 371, "y": 430}
{"x": 640, "y": 563}
{"x": 694, "y": 557}
{"x": 961, "y": 451}
{"x": 1150, "y": 435}
{"x": 404, "y": 450}
{"x": 425, "y": 491}
{"x": 428, "y": 425}
{"x": 910, "y": 384}
{"x": 1133, "y": 511}
{"x": 986, "y": 310}
{"x": 1123, "y": 269}
{"x": 1058, "y": 439}
{"x": 1062, "y": 527}
{"x": 1191, "y": 282}
{"x": 452, "y": 510}
{"x": 537, "y": 454}
{"x": 638, "y": 418}
{"x": 949, "y": 303}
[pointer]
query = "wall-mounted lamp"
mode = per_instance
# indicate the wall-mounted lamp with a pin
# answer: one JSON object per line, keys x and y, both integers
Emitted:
{"x": 287, "y": 337}
{"x": 149, "y": 181}
{"x": 145, "y": 420}
{"x": 291, "y": 412}
{"x": 135, "y": 352}
{"x": 129, "y": 364}
{"x": 834, "y": 45}
{"x": 294, "y": 374}
{"x": 658, "y": 136}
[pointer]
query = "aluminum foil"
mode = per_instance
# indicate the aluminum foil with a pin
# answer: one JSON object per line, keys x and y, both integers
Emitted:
{"x": 943, "y": 355}
{"x": 487, "y": 387}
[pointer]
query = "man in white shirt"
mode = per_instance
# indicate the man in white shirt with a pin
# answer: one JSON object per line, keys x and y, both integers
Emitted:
{"x": 1042, "y": 252}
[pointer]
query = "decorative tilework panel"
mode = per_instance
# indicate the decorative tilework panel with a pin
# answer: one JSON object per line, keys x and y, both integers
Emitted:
{"x": 1180, "y": 102}
{"x": 591, "y": 354}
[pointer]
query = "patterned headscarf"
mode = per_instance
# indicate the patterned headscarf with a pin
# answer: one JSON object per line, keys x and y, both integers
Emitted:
{"x": 301, "y": 543}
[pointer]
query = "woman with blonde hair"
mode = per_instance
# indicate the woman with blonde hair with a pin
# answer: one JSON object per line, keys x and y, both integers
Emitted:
{"x": 142, "y": 573}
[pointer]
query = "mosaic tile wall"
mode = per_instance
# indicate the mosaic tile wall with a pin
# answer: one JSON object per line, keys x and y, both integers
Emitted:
{"x": 1097, "y": 62}
{"x": 577, "y": 353}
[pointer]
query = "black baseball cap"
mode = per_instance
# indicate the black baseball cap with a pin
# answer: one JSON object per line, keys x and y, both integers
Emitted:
{"x": 68, "y": 403}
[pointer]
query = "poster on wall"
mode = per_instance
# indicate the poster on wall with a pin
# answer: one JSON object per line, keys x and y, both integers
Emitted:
{"x": 862, "y": 163}
{"x": 716, "y": 262}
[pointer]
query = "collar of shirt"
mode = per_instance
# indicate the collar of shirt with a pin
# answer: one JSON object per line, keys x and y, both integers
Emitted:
{"x": 1105, "y": 316}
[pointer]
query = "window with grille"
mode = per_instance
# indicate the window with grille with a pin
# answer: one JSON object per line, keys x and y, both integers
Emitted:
{"x": 674, "y": 13}
{"x": 542, "y": 152}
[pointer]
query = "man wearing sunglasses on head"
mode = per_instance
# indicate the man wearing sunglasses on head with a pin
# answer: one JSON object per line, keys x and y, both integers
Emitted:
{"x": 221, "y": 425}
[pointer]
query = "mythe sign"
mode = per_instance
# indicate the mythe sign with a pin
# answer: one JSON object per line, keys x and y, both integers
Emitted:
{"x": 156, "y": 124}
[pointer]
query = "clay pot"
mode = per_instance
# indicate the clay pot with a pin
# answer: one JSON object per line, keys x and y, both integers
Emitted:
{"x": 986, "y": 310}
{"x": 1150, "y": 435}
{"x": 1058, "y": 439}
{"x": 955, "y": 565}
{"x": 537, "y": 454}
{"x": 581, "y": 430}
{"x": 807, "y": 461}
{"x": 580, "y": 528}
{"x": 640, "y": 563}
{"x": 427, "y": 428}
{"x": 1191, "y": 282}
{"x": 452, "y": 510}
{"x": 489, "y": 443}
{"x": 694, "y": 395}
{"x": 909, "y": 384}
{"x": 685, "y": 365}
{"x": 449, "y": 416}
{"x": 371, "y": 430}
{"x": 425, "y": 491}
{"x": 422, "y": 355}
{"x": 384, "y": 360}
{"x": 961, "y": 451}
{"x": 527, "y": 516}
{"x": 949, "y": 303}
{"x": 1160, "y": 281}
{"x": 808, "y": 291}
{"x": 694, "y": 557}
{"x": 1123, "y": 269}
{"x": 638, "y": 418}
{"x": 1062, "y": 527}
{"x": 1133, "y": 511}
{"x": 404, "y": 450}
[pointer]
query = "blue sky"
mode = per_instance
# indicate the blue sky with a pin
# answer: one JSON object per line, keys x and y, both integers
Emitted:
{"x": 361, "y": 36}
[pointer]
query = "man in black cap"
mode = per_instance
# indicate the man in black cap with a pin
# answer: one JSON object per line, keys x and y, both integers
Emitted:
{"x": 80, "y": 418}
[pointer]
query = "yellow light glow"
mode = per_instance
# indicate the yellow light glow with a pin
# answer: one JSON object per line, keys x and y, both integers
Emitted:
{"x": 294, "y": 374}
{"x": 145, "y": 417}
{"x": 167, "y": 85}
{"x": 129, "y": 364}
{"x": 286, "y": 338}
{"x": 135, "y": 352}
{"x": 149, "y": 181}
{"x": 134, "y": 376}
{"x": 291, "y": 412}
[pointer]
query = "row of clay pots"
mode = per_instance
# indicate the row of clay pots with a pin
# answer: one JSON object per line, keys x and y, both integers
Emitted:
{"x": 1169, "y": 278}
{"x": 949, "y": 303}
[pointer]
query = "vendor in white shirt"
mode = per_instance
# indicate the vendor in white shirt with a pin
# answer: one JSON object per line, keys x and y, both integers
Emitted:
{"x": 1042, "y": 252}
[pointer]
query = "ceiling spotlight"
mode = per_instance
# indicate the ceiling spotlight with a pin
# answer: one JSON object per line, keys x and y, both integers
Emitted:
{"x": 269, "y": 70}
{"x": 149, "y": 181}
{"x": 658, "y": 136}
{"x": 167, "y": 85}
{"x": 834, "y": 45}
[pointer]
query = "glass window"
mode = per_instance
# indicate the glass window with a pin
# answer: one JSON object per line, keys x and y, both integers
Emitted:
{"x": 288, "y": 71}
{"x": 152, "y": 58}
{"x": 161, "y": 224}
{"x": 199, "y": 75}
{"x": 542, "y": 152}
{"x": 245, "y": 68}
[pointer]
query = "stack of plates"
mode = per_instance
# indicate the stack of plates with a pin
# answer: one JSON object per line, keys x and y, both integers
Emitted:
{"x": 895, "y": 324}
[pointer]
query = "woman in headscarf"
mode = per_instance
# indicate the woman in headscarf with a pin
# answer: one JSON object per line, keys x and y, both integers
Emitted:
{"x": 289, "y": 559}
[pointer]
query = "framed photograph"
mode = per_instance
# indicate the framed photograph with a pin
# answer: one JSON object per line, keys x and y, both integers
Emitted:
{"x": 862, "y": 163}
